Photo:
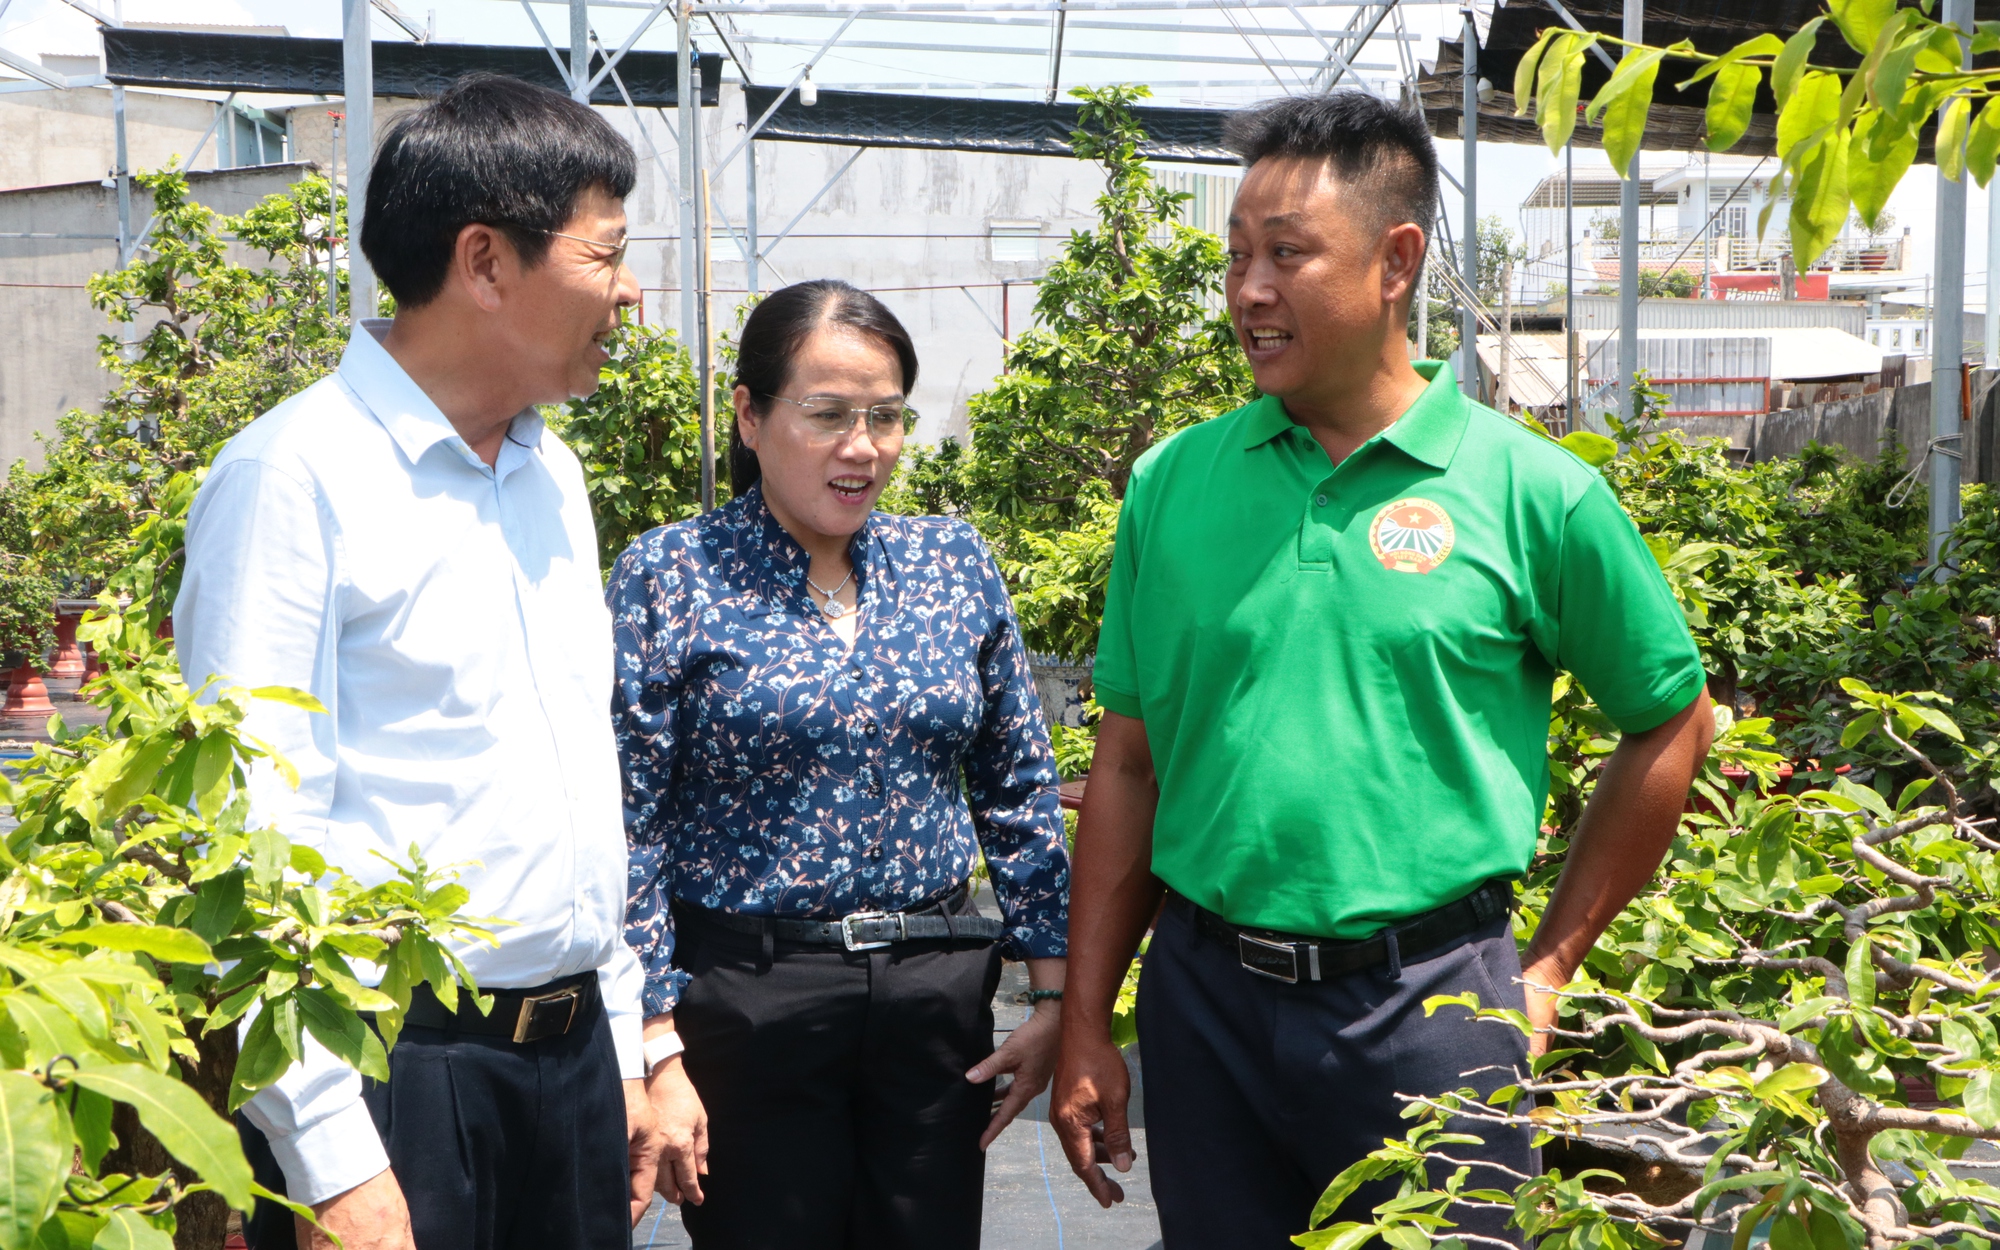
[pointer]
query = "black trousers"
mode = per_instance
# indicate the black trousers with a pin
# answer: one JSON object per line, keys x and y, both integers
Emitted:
{"x": 839, "y": 1115}
{"x": 1258, "y": 1093}
{"x": 496, "y": 1146}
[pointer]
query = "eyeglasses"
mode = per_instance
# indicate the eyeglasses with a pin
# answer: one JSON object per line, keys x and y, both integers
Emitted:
{"x": 829, "y": 416}
{"x": 617, "y": 250}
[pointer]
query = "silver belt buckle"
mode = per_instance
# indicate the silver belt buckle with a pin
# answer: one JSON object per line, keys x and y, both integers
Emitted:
{"x": 527, "y": 1017}
{"x": 1261, "y": 958}
{"x": 852, "y": 940}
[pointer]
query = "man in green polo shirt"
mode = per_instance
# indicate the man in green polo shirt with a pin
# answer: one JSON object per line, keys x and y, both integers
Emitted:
{"x": 1334, "y": 619}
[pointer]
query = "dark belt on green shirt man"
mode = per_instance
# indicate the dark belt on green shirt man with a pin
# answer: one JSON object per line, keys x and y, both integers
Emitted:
{"x": 1292, "y": 958}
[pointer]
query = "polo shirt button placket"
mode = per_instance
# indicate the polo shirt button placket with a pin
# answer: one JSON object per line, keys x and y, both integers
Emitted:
{"x": 1319, "y": 500}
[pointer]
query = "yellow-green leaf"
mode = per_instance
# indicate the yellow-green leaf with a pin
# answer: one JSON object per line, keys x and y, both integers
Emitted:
{"x": 128, "y": 1230}
{"x": 1524, "y": 73}
{"x": 1789, "y": 1079}
{"x": 162, "y": 942}
{"x": 1624, "y": 103}
{"x": 1878, "y": 157}
{"x": 1820, "y": 200}
{"x": 1982, "y": 143}
{"x": 1860, "y": 21}
{"x": 34, "y": 1156}
{"x": 1951, "y": 137}
{"x": 1791, "y": 60}
{"x": 1860, "y": 973}
{"x": 1593, "y": 449}
{"x": 1812, "y": 108}
{"x": 1560, "y": 82}
{"x": 288, "y": 694}
{"x": 182, "y": 1120}
{"x": 1730, "y": 99}
{"x": 1763, "y": 45}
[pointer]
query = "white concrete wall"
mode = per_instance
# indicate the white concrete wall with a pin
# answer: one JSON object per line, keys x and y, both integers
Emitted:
{"x": 48, "y": 138}
{"x": 49, "y": 363}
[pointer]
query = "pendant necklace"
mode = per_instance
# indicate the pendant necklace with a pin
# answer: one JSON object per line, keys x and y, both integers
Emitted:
{"x": 832, "y": 609}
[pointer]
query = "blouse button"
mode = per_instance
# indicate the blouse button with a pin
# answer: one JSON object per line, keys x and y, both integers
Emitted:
{"x": 871, "y": 729}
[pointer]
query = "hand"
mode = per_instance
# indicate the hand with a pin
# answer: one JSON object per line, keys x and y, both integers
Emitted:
{"x": 1087, "y": 1110}
{"x": 642, "y": 1147}
{"x": 683, "y": 1132}
{"x": 1030, "y": 1054}
{"x": 1542, "y": 1005}
{"x": 370, "y": 1216}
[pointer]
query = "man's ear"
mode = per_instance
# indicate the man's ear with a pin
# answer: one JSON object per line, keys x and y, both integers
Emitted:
{"x": 1402, "y": 260}
{"x": 482, "y": 262}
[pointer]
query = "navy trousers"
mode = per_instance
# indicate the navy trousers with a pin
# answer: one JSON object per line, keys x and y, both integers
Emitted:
{"x": 1258, "y": 1093}
{"x": 497, "y": 1146}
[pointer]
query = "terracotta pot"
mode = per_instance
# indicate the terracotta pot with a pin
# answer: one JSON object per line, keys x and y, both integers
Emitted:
{"x": 27, "y": 697}
{"x": 1072, "y": 793}
{"x": 68, "y": 660}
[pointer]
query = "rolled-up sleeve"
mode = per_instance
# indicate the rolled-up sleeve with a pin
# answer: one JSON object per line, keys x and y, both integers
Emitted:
{"x": 1010, "y": 775}
{"x": 643, "y": 697}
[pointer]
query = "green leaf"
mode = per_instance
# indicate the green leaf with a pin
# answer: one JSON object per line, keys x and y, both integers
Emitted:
{"x": 1951, "y": 137}
{"x": 341, "y": 1031}
{"x": 1853, "y": 1064}
{"x": 34, "y": 1157}
{"x": 1646, "y": 1050}
{"x": 1790, "y": 1079}
{"x": 1406, "y": 1237}
{"x": 1792, "y": 60}
{"x": 1860, "y": 973}
{"x": 90, "y": 1115}
{"x": 270, "y": 851}
{"x": 1982, "y": 143}
{"x": 1766, "y": 44}
{"x": 1338, "y": 1190}
{"x": 1879, "y": 157}
{"x": 1730, "y": 101}
{"x": 261, "y": 1061}
{"x": 1828, "y": 1233}
{"x": 217, "y": 904}
{"x": 1862, "y": 796}
{"x": 128, "y": 1230}
{"x": 1593, "y": 449}
{"x": 288, "y": 694}
{"x": 1810, "y": 110}
{"x": 1560, "y": 82}
{"x": 1524, "y": 72}
{"x": 1860, "y": 21}
{"x": 1623, "y": 103}
{"x": 1860, "y": 727}
{"x": 1788, "y": 1232}
{"x": 184, "y": 1123}
{"x": 162, "y": 942}
{"x": 1982, "y": 1099}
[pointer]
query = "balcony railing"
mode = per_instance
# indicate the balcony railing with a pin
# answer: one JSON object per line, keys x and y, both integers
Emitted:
{"x": 1750, "y": 255}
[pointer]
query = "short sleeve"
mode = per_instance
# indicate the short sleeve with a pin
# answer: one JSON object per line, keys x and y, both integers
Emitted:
{"x": 1114, "y": 674}
{"x": 1617, "y": 626}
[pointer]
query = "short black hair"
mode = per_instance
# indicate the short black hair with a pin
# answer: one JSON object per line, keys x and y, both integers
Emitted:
{"x": 491, "y": 149}
{"x": 1379, "y": 148}
{"x": 776, "y": 330}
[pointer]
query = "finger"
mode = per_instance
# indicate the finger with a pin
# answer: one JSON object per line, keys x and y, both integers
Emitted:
{"x": 688, "y": 1179}
{"x": 1017, "y": 1098}
{"x": 1118, "y": 1135}
{"x": 701, "y": 1146}
{"x": 643, "y": 1176}
{"x": 1004, "y": 1060}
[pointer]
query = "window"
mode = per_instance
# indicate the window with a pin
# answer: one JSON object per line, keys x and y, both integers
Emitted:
{"x": 1875, "y": 337}
{"x": 1014, "y": 242}
{"x": 1917, "y": 339}
{"x": 1895, "y": 338}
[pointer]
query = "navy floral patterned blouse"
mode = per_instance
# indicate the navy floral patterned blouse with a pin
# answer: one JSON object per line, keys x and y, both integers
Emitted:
{"x": 771, "y": 771}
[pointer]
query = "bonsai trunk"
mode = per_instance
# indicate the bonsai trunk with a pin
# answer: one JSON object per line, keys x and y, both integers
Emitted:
{"x": 203, "y": 1219}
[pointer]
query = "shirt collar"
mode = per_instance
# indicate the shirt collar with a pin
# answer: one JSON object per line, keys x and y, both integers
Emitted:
{"x": 786, "y": 560}
{"x": 1429, "y": 430}
{"x": 395, "y": 399}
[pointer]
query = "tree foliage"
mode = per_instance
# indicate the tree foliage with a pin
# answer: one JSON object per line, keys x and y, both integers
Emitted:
{"x": 1845, "y": 137}
{"x": 215, "y": 344}
{"x": 1129, "y": 343}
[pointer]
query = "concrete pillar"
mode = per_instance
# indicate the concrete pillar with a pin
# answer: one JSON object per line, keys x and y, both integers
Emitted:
{"x": 1628, "y": 250}
{"x": 358, "y": 85}
{"x": 1468, "y": 245}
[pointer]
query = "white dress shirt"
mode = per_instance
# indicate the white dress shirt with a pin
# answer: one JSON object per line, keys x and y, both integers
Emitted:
{"x": 451, "y": 618}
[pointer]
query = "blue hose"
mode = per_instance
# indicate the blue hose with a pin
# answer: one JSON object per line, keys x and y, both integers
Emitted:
{"x": 1047, "y": 1188}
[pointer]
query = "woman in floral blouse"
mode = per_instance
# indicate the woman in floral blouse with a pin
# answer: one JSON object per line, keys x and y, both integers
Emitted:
{"x": 826, "y": 719}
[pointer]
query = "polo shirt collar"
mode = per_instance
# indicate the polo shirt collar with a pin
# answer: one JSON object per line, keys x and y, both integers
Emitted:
{"x": 1429, "y": 431}
{"x": 393, "y": 397}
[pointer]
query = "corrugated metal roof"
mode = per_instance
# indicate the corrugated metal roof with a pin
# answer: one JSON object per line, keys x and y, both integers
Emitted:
{"x": 1600, "y": 312}
{"x": 1536, "y": 364}
{"x": 1796, "y": 354}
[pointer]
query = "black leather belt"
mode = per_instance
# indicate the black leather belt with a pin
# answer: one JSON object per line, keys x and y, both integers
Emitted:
{"x": 861, "y": 930}
{"x": 519, "y": 1015}
{"x": 1291, "y": 958}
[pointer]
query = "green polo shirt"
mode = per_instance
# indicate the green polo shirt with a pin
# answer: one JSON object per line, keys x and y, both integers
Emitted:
{"x": 1345, "y": 671}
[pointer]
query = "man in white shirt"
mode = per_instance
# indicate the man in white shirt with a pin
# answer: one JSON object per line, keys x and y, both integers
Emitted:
{"x": 405, "y": 541}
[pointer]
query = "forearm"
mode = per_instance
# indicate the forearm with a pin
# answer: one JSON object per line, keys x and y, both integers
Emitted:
{"x": 1625, "y": 832}
{"x": 1113, "y": 893}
